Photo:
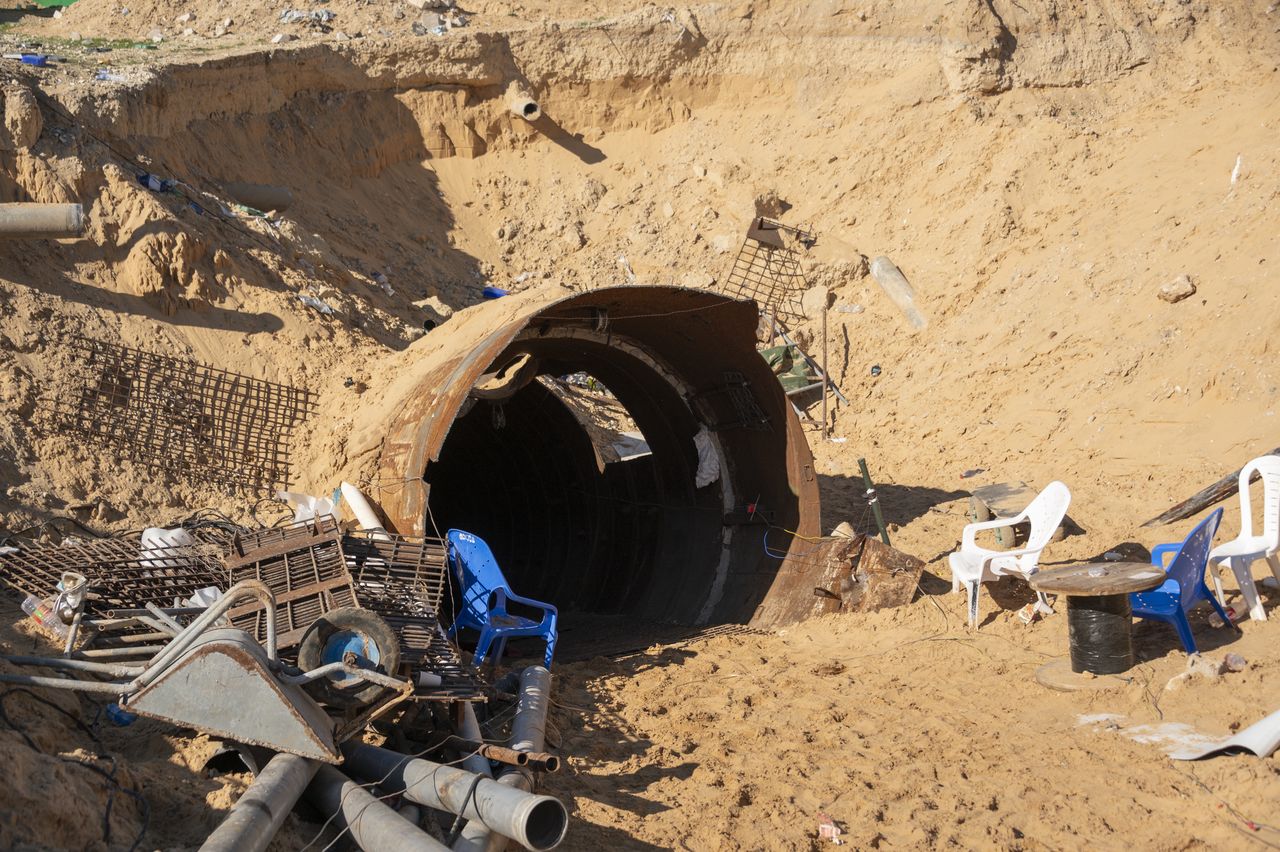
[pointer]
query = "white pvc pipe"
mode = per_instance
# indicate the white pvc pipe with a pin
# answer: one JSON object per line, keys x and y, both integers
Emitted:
{"x": 34, "y": 221}
{"x": 363, "y": 510}
{"x": 522, "y": 105}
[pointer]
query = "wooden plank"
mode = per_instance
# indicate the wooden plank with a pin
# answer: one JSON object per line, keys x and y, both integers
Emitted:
{"x": 1005, "y": 499}
{"x": 1203, "y": 499}
{"x": 1099, "y": 578}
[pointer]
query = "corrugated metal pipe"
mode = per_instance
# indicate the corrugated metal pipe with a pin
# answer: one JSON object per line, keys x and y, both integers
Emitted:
{"x": 257, "y": 816}
{"x": 374, "y": 826}
{"x": 536, "y": 822}
{"x": 35, "y": 221}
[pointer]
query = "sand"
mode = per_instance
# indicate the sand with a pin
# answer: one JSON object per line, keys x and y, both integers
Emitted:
{"x": 1038, "y": 173}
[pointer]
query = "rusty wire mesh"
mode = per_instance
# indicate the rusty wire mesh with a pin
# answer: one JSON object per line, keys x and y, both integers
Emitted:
{"x": 121, "y": 572}
{"x": 303, "y": 566}
{"x": 767, "y": 268}
{"x": 182, "y": 417}
{"x": 403, "y": 579}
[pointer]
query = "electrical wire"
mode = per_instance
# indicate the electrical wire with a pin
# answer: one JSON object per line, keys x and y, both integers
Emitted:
{"x": 110, "y": 775}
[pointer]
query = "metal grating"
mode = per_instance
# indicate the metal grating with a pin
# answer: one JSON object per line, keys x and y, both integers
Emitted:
{"x": 403, "y": 580}
{"x": 303, "y": 565}
{"x": 398, "y": 570}
{"x": 120, "y": 572}
{"x": 183, "y": 417}
{"x": 730, "y": 405}
{"x": 767, "y": 268}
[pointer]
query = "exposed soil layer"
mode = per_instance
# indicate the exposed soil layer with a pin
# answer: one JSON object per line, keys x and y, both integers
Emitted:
{"x": 1037, "y": 171}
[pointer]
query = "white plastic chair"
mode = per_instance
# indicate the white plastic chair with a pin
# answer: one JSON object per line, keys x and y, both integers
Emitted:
{"x": 1241, "y": 553}
{"x": 972, "y": 565}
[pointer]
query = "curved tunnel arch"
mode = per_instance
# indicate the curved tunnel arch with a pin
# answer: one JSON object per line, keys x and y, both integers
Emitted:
{"x": 637, "y": 538}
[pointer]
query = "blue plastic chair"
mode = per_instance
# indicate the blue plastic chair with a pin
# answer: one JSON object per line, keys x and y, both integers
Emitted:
{"x": 485, "y": 594}
{"x": 1185, "y": 587}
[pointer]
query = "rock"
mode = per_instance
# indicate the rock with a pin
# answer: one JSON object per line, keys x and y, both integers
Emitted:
{"x": 667, "y": 210}
{"x": 698, "y": 280}
{"x": 573, "y": 236}
{"x": 814, "y": 301}
{"x": 770, "y": 204}
{"x": 1178, "y": 289}
{"x": 427, "y": 22}
{"x": 22, "y": 118}
{"x": 341, "y": 36}
{"x": 156, "y": 36}
{"x": 722, "y": 243}
{"x": 188, "y": 32}
{"x": 185, "y": 18}
{"x": 283, "y": 38}
{"x": 1233, "y": 663}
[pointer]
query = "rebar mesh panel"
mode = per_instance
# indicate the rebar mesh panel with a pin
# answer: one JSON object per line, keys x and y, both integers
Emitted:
{"x": 400, "y": 570}
{"x": 190, "y": 419}
{"x": 424, "y": 648}
{"x": 303, "y": 566}
{"x": 121, "y": 573}
{"x": 403, "y": 579}
{"x": 730, "y": 405}
{"x": 767, "y": 269}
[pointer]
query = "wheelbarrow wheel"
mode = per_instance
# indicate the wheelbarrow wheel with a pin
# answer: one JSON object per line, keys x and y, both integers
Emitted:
{"x": 341, "y": 631}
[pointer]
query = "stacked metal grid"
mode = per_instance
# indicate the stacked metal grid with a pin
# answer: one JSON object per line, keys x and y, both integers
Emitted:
{"x": 185, "y": 418}
{"x": 403, "y": 579}
{"x": 120, "y": 571}
{"x": 303, "y": 566}
{"x": 767, "y": 268}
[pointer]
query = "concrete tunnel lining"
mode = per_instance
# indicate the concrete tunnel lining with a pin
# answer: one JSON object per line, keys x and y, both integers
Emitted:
{"x": 638, "y": 539}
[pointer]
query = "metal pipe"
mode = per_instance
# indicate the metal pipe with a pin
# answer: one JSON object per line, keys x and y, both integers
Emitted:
{"x": 107, "y": 653}
{"x": 257, "y": 816}
{"x": 183, "y": 641}
{"x": 537, "y": 822}
{"x": 346, "y": 668}
{"x": 31, "y": 220}
{"x": 111, "y": 669}
{"x": 498, "y": 753}
{"x": 62, "y": 683}
{"x": 826, "y": 424}
{"x": 373, "y": 825}
{"x": 873, "y": 500}
{"x": 528, "y": 733}
{"x": 469, "y": 728}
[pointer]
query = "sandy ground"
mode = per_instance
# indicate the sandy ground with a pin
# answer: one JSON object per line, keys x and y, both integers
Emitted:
{"x": 1037, "y": 171}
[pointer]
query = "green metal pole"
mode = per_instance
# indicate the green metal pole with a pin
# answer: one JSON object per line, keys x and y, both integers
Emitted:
{"x": 873, "y": 501}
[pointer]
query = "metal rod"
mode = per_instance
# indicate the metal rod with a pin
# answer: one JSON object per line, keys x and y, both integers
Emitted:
{"x": 110, "y": 669}
{"x": 373, "y": 825}
{"x": 108, "y": 653}
{"x": 873, "y": 501}
{"x": 537, "y": 822}
{"x": 538, "y": 760}
{"x": 62, "y": 683}
{"x": 345, "y": 668}
{"x": 826, "y": 425}
{"x": 258, "y": 815}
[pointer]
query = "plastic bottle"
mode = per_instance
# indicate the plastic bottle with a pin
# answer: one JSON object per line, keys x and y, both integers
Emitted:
{"x": 41, "y": 612}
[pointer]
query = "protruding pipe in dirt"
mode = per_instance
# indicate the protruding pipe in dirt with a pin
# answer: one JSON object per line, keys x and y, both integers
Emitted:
{"x": 522, "y": 104}
{"x": 374, "y": 826}
{"x": 26, "y": 220}
{"x": 536, "y": 822}
{"x": 257, "y": 816}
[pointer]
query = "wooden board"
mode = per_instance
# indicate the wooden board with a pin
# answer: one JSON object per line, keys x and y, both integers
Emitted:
{"x": 1006, "y": 500}
{"x": 1206, "y": 497}
{"x": 1099, "y": 578}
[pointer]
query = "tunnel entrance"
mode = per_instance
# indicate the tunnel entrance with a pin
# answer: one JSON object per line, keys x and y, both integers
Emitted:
{"x": 571, "y": 519}
{"x": 667, "y": 531}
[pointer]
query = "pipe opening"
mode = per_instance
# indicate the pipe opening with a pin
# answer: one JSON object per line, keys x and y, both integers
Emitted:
{"x": 546, "y": 824}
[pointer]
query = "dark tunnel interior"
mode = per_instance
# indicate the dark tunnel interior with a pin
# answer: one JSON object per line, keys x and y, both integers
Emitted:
{"x": 627, "y": 540}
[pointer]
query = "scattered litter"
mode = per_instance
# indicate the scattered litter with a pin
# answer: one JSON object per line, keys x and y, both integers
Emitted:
{"x": 838, "y": 440}
{"x": 108, "y": 76}
{"x": 381, "y": 280}
{"x": 316, "y": 304}
{"x": 626, "y": 268}
{"x": 282, "y": 38}
{"x": 895, "y": 286}
{"x": 155, "y": 183}
{"x": 1207, "y": 668}
{"x": 1235, "y": 172}
{"x": 118, "y": 716}
{"x": 973, "y": 471}
{"x": 39, "y": 60}
{"x": 850, "y": 309}
{"x": 494, "y": 293}
{"x": 306, "y": 507}
{"x": 875, "y": 369}
{"x": 708, "y": 460}
{"x": 828, "y": 830}
{"x": 1170, "y": 737}
{"x": 1113, "y": 556}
